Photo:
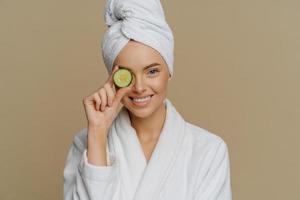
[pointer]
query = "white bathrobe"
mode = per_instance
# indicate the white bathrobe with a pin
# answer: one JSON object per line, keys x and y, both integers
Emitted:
{"x": 188, "y": 163}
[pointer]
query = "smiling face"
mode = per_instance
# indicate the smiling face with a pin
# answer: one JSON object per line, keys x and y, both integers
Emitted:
{"x": 151, "y": 77}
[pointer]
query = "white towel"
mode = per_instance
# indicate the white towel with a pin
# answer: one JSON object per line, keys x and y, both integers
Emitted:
{"x": 140, "y": 20}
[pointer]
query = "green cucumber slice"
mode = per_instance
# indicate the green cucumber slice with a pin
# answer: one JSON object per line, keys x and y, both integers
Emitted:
{"x": 122, "y": 77}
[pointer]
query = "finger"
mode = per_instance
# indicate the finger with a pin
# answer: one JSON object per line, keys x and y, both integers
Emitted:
{"x": 120, "y": 94}
{"x": 110, "y": 94}
{"x": 98, "y": 100}
{"x": 103, "y": 97}
{"x": 89, "y": 103}
{"x": 88, "y": 99}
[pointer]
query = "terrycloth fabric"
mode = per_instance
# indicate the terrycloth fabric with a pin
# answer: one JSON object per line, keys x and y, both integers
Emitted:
{"x": 142, "y": 21}
{"x": 188, "y": 163}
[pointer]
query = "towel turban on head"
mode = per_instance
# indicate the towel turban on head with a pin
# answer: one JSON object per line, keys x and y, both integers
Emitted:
{"x": 140, "y": 20}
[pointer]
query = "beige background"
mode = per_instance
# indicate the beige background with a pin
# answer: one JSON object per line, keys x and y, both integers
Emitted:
{"x": 236, "y": 74}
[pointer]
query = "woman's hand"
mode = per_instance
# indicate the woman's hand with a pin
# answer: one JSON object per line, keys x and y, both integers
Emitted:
{"x": 103, "y": 105}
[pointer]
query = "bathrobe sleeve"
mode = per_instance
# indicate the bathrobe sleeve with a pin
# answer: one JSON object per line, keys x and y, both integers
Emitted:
{"x": 84, "y": 181}
{"x": 216, "y": 183}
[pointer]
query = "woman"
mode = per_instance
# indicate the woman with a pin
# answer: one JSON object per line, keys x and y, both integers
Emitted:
{"x": 136, "y": 145}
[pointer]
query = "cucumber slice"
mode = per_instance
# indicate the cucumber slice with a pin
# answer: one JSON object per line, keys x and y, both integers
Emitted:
{"x": 122, "y": 77}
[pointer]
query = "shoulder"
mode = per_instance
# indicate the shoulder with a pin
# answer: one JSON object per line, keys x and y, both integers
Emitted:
{"x": 205, "y": 141}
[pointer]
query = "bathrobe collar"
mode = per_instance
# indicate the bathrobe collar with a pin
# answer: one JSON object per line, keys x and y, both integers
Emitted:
{"x": 139, "y": 179}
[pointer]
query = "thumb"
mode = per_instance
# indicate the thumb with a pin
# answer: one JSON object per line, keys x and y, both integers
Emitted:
{"x": 120, "y": 94}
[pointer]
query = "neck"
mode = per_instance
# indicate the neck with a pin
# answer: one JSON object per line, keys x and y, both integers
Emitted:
{"x": 149, "y": 128}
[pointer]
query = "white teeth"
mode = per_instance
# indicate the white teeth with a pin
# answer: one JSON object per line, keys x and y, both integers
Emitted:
{"x": 141, "y": 99}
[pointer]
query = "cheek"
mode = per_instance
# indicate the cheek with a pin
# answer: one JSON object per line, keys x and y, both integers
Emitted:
{"x": 159, "y": 85}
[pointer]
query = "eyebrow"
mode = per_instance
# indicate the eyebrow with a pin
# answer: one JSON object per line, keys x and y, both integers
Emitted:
{"x": 148, "y": 66}
{"x": 151, "y": 65}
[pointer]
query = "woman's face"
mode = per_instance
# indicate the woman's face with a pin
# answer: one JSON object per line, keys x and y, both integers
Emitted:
{"x": 151, "y": 77}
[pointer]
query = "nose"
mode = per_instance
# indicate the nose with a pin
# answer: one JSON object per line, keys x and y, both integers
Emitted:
{"x": 138, "y": 84}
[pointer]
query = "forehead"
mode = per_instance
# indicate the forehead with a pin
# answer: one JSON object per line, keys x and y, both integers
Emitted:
{"x": 136, "y": 56}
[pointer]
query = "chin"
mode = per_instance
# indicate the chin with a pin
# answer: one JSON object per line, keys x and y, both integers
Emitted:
{"x": 140, "y": 113}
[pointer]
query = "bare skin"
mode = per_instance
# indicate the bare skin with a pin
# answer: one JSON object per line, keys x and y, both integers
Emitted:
{"x": 147, "y": 121}
{"x": 101, "y": 108}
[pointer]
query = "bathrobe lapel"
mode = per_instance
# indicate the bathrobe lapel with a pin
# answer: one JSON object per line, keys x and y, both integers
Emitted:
{"x": 163, "y": 156}
{"x": 142, "y": 180}
{"x": 124, "y": 143}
